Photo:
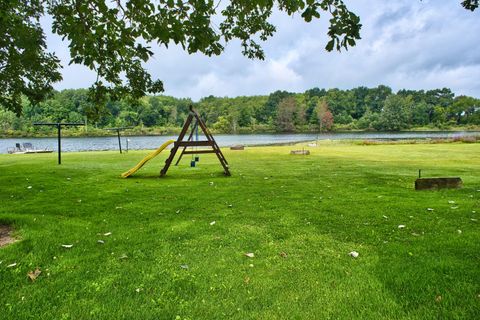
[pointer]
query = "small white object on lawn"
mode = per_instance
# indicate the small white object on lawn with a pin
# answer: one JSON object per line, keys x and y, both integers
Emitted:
{"x": 385, "y": 217}
{"x": 107, "y": 234}
{"x": 451, "y": 201}
{"x": 459, "y": 231}
{"x": 250, "y": 254}
{"x": 12, "y": 265}
{"x": 401, "y": 226}
{"x": 353, "y": 254}
{"x": 68, "y": 246}
{"x": 212, "y": 223}
{"x": 430, "y": 209}
{"x": 29, "y": 187}
{"x": 101, "y": 241}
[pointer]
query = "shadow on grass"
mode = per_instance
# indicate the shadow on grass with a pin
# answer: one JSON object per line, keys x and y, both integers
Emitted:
{"x": 199, "y": 175}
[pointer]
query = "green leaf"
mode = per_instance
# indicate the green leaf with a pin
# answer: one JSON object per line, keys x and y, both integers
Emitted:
{"x": 330, "y": 45}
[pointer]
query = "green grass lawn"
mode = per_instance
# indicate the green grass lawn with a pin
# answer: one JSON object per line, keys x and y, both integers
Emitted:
{"x": 299, "y": 215}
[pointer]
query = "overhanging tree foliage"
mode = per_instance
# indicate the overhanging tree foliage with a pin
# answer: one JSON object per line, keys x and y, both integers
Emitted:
{"x": 25, "y": 66}
{"x": 113, "y": 38}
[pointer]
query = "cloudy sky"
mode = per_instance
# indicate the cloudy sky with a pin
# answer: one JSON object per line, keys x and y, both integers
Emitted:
{"x": 405, "y": 44}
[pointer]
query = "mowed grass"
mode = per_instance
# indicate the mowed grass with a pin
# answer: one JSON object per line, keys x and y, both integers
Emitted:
{"x": 299, "y": 215}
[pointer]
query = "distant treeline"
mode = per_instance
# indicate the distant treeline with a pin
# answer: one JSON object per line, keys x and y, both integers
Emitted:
{"x": 314, "y": 110}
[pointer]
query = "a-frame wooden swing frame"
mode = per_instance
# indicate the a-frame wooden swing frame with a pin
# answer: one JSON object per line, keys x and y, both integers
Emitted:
{"x": 210, "y": 142}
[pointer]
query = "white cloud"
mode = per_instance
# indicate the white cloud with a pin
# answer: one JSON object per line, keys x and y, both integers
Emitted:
{"x": 405, "y": 44}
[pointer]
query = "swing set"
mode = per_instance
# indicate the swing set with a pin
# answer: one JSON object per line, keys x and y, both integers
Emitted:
{"x": 193, "y": 122}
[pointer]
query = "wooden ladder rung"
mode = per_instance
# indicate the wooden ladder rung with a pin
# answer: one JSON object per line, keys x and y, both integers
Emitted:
{"x": 199, "y": 151}
{"x": 194, "y": 143}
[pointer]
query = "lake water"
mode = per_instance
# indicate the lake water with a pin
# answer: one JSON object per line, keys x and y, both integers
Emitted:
{"x": 152, "y": 142}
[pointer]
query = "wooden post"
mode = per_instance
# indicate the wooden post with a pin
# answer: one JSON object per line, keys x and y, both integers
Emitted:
{"x": 438, "y": 183}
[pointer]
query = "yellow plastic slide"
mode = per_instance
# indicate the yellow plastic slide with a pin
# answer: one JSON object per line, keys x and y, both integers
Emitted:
{"x": 144, "y": 160}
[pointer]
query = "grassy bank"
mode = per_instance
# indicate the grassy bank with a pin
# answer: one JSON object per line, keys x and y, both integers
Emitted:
{"x": 177, "y": 245}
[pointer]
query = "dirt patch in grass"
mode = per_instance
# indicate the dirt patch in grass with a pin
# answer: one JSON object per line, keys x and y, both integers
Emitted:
{"x": 6, "y": 235}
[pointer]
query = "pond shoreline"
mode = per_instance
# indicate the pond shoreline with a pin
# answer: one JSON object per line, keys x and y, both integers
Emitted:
{"x": 156, "y": 132}
{"x": 294, "y": 143}
{"x": 74, "y": 144}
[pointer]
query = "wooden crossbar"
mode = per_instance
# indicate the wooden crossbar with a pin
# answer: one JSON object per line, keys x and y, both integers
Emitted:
{"x": 194, "y": 143}
{"x": 199, "y": 151}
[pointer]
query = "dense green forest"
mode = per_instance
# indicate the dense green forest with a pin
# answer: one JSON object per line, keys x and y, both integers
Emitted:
{"x": 311, "y": 111}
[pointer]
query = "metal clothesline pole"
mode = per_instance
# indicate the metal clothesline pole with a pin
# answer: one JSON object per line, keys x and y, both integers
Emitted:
{"x": 59, "y": 133}
{"x": 118, "y": 135}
